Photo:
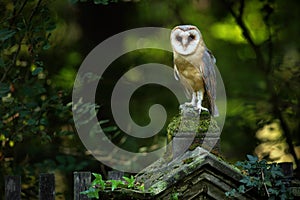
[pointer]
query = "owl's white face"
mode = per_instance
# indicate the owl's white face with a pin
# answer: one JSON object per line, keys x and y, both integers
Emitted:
{"x": 185, "y": 39}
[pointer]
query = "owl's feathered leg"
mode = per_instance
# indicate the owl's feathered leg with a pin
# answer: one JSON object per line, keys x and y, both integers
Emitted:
{"x": 194, "y": 100}
{"x": 199, "y": 102}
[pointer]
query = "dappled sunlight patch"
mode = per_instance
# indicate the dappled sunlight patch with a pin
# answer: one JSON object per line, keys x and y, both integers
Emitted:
{"x": 228, "y": 30}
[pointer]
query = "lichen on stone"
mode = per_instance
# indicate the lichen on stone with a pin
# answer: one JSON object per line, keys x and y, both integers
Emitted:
{"x": 158, "y": 187}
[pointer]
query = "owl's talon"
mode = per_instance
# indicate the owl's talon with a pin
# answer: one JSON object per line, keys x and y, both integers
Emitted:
{"x": 190, "y": 104}
{"x": 200, "y": 109}
{"x": 194, "y": 100}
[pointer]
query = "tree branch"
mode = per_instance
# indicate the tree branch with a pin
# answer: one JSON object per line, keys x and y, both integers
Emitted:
{"x": 263, "y": 180}
{"x": 266, "y": 69}
{"x": 246, "y": 33}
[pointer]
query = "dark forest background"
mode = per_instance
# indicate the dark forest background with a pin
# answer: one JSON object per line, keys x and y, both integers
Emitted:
{"x": 43, "y": 43}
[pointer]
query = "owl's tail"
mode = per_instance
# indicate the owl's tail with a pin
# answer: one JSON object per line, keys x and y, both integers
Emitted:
{"x": 214, "y": 110}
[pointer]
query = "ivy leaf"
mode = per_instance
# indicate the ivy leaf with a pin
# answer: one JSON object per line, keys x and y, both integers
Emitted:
{"x": 91, "y": 193}
{"x": 241, "y": 189}
{"x": 245, "y": 180}
{"x": 130, "y": 181}
{"x": 239, "y": 164}
{"x": 278, "y": 183}
{"x": 276, "y": 172}
{"x": 115, "y": 184}
{"x": 141, "y": 187}
{"x": 268, "y": 183}
{"x": 272, "y": 191}
{"x": 98, "y": 181}
{"x": 231, "y": 193}
{"x": 252, "y": 159}
{"x": 174, "y": 196}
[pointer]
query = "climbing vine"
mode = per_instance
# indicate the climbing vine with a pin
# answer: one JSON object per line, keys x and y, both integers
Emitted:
{"x": 267, "y": 179}
{"x": 99, "y": 185}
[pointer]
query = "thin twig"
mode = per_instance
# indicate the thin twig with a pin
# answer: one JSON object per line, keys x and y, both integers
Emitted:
{"x": 263, "y": 179}
{"x": 16, "y": 15}
{"x": 14, "y": 60}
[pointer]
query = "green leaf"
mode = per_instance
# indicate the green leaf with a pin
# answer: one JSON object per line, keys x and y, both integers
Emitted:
{"x": 97, "y": 176}
{"x": 241, "y": 189}
{"x": 37, "y": 70}
{"x": 174, "y": 196}
{"x": 252, "y": 158}
{"x": 46, "y": 46}
{"x": 6, "y": 34}
{"x": 245, "y": 180}
{"x": 276, "y": 172}
{"x": 141, "y": 188}
{"x": 268, "y": 183}
{"x": 231, "y": 193}
{"x": 130, "y": 181}
{"x": 98, "y": 181}
{"x": 91, "y": 192}
{"x": 239, "y": 164}
{"x": 115, "y": 184}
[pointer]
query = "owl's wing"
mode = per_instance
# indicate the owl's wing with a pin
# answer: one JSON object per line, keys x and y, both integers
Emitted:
{"x": 176, "y": 73}
{"x": 187, "y": 88}
{"x": 209, "y": 78}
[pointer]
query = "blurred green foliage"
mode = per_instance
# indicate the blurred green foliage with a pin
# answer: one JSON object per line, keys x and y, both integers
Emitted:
{"x": 35, "y": 113}
{"x": 42, "y": 43}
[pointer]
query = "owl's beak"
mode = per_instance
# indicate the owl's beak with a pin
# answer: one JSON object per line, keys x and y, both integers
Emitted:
{"x": 184, "y": 43}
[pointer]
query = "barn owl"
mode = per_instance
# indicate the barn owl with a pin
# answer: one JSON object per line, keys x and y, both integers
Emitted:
{"x": 194, "y": 67}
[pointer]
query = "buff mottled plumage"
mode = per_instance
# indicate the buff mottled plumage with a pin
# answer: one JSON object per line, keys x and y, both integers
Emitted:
{"x": 194, "y": 67}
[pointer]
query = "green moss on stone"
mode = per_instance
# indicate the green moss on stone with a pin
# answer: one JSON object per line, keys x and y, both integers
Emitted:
{"x": 194, "y": 145}
{"x": 177, "y": 177}
{"x": 202, "y": 126}
{"x": 193, "y": 165}
{"x": 188, "y": 160}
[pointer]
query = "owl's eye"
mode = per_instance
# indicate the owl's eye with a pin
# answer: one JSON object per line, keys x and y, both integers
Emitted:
{"x": 178, "y": 38}
{"x": 191, "y": 37}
